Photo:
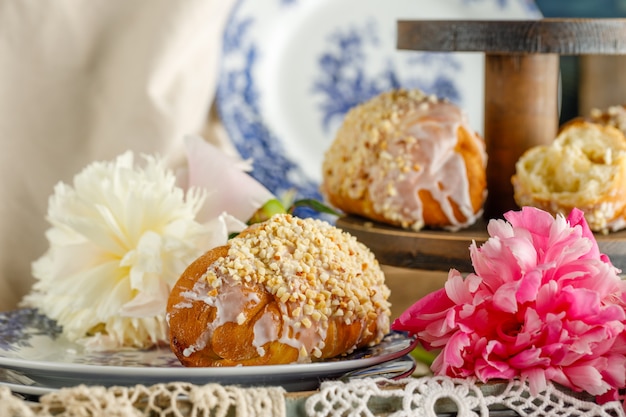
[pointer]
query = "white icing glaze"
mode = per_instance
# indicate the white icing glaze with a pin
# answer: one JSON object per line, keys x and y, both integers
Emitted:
{"x": 229, "y": 303}
{"x": 431, "y": 138}
{"x": 199, "y": 292}
{"x": 264, "y": 331}
{"x": 200, "y": 344}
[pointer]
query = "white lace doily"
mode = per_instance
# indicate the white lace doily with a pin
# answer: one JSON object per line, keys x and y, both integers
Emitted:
{"x": 427, "y": 396}
{"x": 176, "y": 399}
{"x": 430, "y": 396}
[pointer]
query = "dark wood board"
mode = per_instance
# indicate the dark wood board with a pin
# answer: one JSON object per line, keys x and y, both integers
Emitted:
{"x": 545, "y": 36}
{"x": 442, "y": 250}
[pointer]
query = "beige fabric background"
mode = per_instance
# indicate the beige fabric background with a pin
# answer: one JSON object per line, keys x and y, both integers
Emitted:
{"x": 84, "y": 80}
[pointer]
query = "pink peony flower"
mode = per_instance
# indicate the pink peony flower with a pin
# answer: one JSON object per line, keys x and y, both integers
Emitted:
{"x": 543, "y": 305}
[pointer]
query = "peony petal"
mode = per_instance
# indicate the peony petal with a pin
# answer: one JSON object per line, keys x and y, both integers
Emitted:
{"x": 576, "y": 219}
{"x": 146, "y": 304}
{"x": 453, "y": 352}
{"x": 460, "y": 291}
{"x": 586, "y": 378}
{"x": 615, "y": 372}
{"x": 432, "y": 307}
{"x": 528, "y": 287}
{"x": 580, "y": 302}
{"x": 529, "y": 358}
{"x": 545, "y": 298}
{"x": 500, "y": 229}
{"x": 537, "y": 221}
{"x": 230, "y": 188}
{"x": 486, "y": 371}
{"x": 537, "y": 381}
{"x": 504, "y": 298}
{"x": 494, "y": 263}
{"x": 611, "y": 395}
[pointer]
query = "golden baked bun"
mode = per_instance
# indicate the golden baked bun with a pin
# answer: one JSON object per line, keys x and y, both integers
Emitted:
{"x": 613, "y": 116}
{"x": 409, "y": 160}
{"x": 584, "y": 167}
{"x": 285, "y": 290}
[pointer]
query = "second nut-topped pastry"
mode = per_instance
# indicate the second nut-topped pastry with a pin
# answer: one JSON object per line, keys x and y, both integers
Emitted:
{"x": 283, "y": 291}
{"x": 584, "y": 168}
{"x": 612, "y": 116}
{"x": 409, "y": 160}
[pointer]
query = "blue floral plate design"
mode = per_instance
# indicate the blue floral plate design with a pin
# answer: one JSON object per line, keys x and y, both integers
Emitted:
{"x": 291, "y": 69}
{"x": 33, "y": 349}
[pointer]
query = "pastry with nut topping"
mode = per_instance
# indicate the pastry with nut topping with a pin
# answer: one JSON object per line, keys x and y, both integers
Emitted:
{"x": 409, "y": 160}
{"x": 286, "y": 290}
{"x": 584, "y": 168}
{"x": 613, "y": 116}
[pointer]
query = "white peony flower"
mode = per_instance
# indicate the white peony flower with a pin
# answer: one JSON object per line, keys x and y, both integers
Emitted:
{"x": 121, "y": 236}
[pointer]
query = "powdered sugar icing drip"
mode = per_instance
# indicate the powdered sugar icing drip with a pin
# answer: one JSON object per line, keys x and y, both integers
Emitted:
{"x": 398, "y": 145}
{"x": 315, "y": 272}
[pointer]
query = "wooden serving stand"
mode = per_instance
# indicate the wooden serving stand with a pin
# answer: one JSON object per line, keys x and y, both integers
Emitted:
{"x": 521, "y": 111}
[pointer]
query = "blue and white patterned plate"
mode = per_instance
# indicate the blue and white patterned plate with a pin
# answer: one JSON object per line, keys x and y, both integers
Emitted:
{"x": 291, "y": 69}
{"x": 33, "y": 347}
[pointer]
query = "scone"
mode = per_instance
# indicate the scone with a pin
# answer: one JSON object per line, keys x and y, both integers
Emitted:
{"x": 409, "y": 160}
{"x": 585, "y": 168}
{"x": 285, "y": 290}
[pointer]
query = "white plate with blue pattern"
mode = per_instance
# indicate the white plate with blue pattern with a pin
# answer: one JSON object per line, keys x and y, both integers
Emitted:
{"x": 291, "y": 69}
{"x": 33, "y": 348}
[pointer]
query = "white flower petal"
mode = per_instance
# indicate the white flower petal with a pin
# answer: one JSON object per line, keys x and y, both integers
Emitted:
{"x": 147, "y": 304}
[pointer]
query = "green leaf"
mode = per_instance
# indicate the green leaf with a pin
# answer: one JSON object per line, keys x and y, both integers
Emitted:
{"x": 275, "y": 206}
{"x": 314, "y": 204}
{"x": 422, "y": 355}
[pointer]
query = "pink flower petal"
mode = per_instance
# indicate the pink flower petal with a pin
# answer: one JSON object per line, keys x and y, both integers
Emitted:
{"x": 459, "y": 290}
{"x": 452, "y": 353}
{"x": 529, "y": 358}
{"x": 535, "y": 221}
{"x": 504, "y": 297}
{"x": 230, "y": 189}
{"x": 489, "y": 369}
{"x": 536, "y": 378}
{"x": 576, "y": 218}
{"x": 580, "y": 302}
{"x": 494, "y": 263}
{"x": 586, "y": 378}
{"x": 615, "y": 372}
{"x": 429, "y": 308}
{"x": 528, "y": 287}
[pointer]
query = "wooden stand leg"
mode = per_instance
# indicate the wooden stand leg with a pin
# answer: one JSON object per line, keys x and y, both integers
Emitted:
{"x": 602, "y": 82}
{"x": 520, "y": 112}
